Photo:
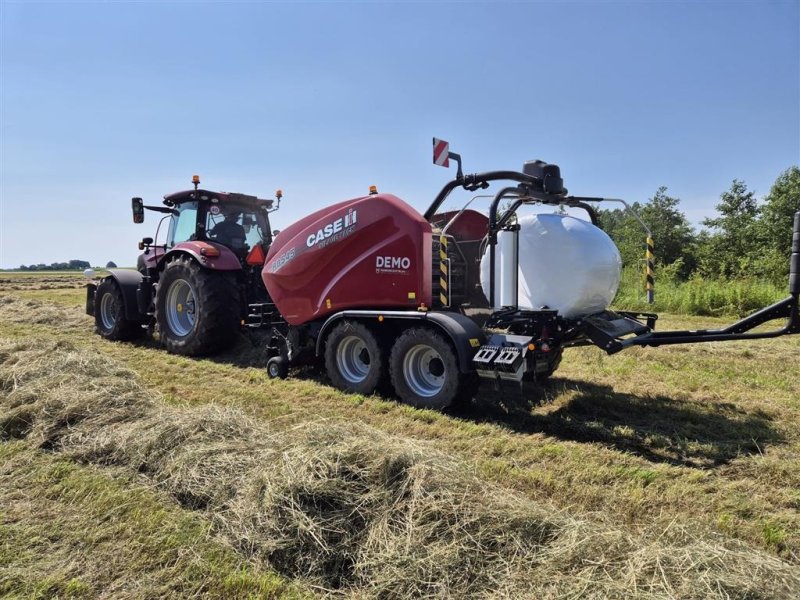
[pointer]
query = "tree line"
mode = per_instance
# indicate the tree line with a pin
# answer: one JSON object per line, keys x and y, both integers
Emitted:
{"x": 746, "y": 239}
{"x": 72, "y": 265}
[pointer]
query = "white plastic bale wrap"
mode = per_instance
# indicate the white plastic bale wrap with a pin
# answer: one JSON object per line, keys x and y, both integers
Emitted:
{"x": 565, "y": 263}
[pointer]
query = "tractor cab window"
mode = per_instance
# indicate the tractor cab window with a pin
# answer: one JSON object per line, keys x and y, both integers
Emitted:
{"x": 236, "y": 226}
{"x": 183, "y": 226}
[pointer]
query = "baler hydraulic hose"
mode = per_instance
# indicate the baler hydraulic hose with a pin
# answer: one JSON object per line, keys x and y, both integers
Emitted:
{"x": 534, "y": 183}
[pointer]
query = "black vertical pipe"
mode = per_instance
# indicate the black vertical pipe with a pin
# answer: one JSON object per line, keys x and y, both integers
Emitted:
{"x": 794, "y": 260}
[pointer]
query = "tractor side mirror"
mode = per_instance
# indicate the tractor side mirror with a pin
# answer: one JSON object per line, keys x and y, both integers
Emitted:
{"x": 138, "y": 210}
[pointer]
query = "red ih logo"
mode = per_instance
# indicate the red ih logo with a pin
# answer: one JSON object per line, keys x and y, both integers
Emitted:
{"x": 441, "y": 153}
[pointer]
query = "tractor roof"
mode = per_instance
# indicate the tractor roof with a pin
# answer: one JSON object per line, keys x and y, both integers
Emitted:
{"x": 223, "y": 197}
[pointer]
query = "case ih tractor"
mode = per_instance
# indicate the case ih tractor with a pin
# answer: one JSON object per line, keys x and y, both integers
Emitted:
{"x": 383, "y": 296}
{"x": 201, "y": 284}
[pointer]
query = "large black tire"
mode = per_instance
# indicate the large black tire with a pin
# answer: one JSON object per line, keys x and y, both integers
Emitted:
{"x": 353, "y": 358}
{"x": 197, "y": 309}
{"x": 109, "y": 313}
{"x": 424, "y": 370}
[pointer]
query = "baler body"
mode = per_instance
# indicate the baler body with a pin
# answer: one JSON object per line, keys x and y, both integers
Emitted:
{"x": 373, "y": 251}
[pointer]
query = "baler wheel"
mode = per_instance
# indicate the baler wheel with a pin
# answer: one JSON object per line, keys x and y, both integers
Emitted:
{"x": 277, "y": 368}
{"x": 197, "y": 309}
{"x": 109, "y": 314}
{"x": 424, "y": 370}
{"x": 353, "y": 358}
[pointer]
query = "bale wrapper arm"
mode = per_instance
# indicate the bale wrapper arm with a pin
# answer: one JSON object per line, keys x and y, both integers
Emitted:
{"x": 741, "y": 330}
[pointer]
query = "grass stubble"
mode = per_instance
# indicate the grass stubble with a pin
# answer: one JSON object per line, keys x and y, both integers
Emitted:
{"x": 343, "y": 507}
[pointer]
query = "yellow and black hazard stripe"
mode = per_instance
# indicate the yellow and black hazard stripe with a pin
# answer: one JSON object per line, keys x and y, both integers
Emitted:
{"x": 650, "y": 276}
{"x": 444, "y": 297}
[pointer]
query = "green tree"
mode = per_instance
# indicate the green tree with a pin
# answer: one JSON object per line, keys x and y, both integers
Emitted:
{"x": 735, "y": 237}
{"x": 777, "y": 219}
{"x": 672, "y": 234}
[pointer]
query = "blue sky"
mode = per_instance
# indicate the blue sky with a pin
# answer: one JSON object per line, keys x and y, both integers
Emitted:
{"x": 105, "y": 101}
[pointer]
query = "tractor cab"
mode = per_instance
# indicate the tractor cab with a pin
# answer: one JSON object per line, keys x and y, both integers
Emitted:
{"x": 237, "y": 221}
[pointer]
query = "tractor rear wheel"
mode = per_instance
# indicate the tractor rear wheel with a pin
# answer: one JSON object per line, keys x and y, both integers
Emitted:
{"x": 109, "y": 313}
{"x": 424, "y": 370}
{"x": 353, "y": 358}
{"x": 197, "y": 309}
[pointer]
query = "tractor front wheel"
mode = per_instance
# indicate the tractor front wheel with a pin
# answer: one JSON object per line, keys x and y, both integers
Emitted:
{"x": 197, "y": 309}
{"x": 109, "y": 313}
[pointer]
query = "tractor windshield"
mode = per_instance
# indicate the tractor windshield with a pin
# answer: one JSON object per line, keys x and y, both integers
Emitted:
{"x": 183, "y": 226}
{"x": 238, "y": 226}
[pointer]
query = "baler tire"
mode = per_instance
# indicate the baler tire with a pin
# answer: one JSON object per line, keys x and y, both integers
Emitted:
{"x": 109, "y": 314}
{"x": 351, "y": 337}
{"x": 215, "y": 321}
{"x": 416, "y": 381}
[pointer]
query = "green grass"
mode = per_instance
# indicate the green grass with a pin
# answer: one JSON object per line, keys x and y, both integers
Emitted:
{"x": 698, "y": 296}
{"x": 702, "y": 437}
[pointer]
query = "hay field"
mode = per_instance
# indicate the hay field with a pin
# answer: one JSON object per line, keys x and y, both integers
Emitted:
{"x": 126, "y": 472}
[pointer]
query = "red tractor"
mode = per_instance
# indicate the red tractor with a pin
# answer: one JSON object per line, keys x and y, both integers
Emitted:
{"x": 200, "y": 283}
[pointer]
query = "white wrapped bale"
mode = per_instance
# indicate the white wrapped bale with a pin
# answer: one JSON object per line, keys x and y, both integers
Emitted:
{"x": 565, "y": 264}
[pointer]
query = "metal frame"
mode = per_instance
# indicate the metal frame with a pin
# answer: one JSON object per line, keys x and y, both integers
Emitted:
{"x": 614, "y": 331}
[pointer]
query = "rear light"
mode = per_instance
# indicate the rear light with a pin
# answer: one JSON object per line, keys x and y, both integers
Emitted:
{"x": 209, "y": 251}
{"x": 256, "y": 256}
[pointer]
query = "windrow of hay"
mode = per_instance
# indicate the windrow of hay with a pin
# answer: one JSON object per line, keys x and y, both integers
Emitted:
{"x": 351, "y": 510}
{"x": 32, "y": 311}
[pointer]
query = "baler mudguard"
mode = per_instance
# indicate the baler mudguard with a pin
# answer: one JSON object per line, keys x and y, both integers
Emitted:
{"x": 466, "y": 336}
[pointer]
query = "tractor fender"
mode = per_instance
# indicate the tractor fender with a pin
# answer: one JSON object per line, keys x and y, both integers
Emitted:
{"x": 225, "y": 261}
{"x": 466, "y": 336}
{"x": 128, "y": 280}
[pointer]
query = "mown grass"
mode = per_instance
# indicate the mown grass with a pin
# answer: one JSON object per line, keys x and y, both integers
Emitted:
{"x": 698, "y": 437}
{"x": 73, "y": 531}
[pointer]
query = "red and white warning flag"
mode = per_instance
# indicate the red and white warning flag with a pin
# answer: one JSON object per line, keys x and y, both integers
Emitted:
{"x": 441, "y": 153}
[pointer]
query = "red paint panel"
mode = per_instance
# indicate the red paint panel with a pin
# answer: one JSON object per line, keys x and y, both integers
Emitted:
{"x": 226, "y": 261}
{"x": 469, "y": 226}
{"x": 366, "y": 252}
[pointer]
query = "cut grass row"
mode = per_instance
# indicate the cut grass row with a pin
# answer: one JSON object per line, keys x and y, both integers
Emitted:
{"x": 714, "y": 423}
{"x": 72, "y": 531}
{"x": 702, "y": 436}
{"x": 345, "y": 507}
